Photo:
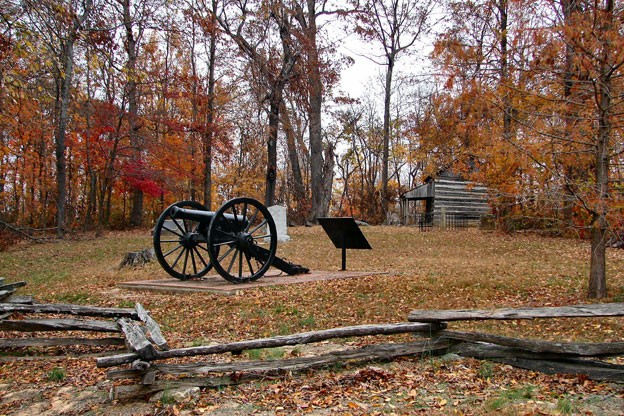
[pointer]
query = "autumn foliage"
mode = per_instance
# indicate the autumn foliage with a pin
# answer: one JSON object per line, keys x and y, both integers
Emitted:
{"x": 517, "y": 101}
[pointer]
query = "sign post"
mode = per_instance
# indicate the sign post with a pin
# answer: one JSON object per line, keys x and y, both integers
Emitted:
{"x": 345, "y": 234}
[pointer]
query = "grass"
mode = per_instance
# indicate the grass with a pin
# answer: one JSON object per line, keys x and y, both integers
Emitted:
{"x": 510, "y": 396}
{"x": 432, "y": 270}
{"x": 565, "y": 406}
{"x": 56, "y": 374}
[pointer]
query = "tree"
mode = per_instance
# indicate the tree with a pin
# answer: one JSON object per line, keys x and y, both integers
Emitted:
{"x": 396, "y": 25}
{"x": 132, "y": 44}
{"x": 60, "y": 23}
{"x": 599, "y": 56}
{"x": 306, "y": 17}
{"x": 539, "y": 124}
{"x": 248, "y": 28}
{"x": 209, "y": 134}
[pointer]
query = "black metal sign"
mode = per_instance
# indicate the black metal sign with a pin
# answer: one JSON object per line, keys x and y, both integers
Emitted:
{"x": 345, "y": 233}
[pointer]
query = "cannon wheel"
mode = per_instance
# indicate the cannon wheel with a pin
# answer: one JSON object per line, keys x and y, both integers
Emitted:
{"x": 180, "y": 244}
{"x": 242, "y": 240}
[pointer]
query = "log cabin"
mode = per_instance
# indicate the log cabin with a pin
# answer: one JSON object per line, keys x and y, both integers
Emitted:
{"x": 447, "y": 200}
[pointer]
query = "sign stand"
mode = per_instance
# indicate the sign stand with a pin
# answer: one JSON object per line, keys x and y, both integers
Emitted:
{"x": 345, "y": 234}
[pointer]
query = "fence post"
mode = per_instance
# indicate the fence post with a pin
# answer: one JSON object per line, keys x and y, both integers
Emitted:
{"x": 443, "y": 219}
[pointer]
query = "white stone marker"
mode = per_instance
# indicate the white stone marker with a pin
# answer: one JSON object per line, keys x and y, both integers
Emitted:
{"x": 278, "y": 213}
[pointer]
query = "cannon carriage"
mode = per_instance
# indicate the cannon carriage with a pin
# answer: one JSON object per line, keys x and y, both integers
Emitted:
{"x": 239, "y": 241}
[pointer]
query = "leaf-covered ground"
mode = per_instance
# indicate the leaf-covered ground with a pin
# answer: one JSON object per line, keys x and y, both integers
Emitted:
{"x": 432, "y": 270}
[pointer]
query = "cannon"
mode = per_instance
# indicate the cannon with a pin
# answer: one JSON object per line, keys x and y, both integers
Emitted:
{"x": 239, "y": 241}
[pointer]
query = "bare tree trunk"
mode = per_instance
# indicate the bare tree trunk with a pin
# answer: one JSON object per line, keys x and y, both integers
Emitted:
{"x": 307, "y": 21}
{"x": 271, "y": 170}
{"x": 136, "y": 216}
{"x": 328, "y": 178}
{"x": 210, "y": 132}
{"x": 597, "y": 273}
{"x": 62, "y": 104}
{"x": 569, "y": 8}
{"x": 299, "y": 193}
{"x": 386, "y": 136}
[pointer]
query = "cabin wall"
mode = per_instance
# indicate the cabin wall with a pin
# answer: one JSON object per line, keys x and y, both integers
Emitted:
{"x": 457, "y": 199}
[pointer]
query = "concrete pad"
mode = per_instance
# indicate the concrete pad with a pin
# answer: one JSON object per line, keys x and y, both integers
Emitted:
{"x": 217, "y": 284}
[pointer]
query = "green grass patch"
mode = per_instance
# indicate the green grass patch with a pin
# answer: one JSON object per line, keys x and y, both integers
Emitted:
{"x": 507, "y": 397}
{"x": 565, "y": 406}
{"x": 56, "y": 374}
{"x": 79, "y": 298}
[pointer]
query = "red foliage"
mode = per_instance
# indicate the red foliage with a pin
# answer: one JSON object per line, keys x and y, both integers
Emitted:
{"x": 138, "y": 175}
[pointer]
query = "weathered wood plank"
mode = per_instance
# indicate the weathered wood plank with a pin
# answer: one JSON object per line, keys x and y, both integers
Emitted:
{"x": 580, "y": 349}
{"x": 592, "y": 369}
{"x": 280, "y": 341}
{"x": 548, "y": 363}
{"x": 6, "y": 293}
{"x": 136, "y": 340}
{"x": 153, "y": 329}
{"x": 27, "y": 300}
{"x": 369, "y": 353}
{"x": 29, "y": 325}
{"x": 491, "y": 351}
{"x": 53, "y": 342}
{"x": 69, "y": 309}
{"x": 576, "y": 311}
{"x": 12, "y": 286}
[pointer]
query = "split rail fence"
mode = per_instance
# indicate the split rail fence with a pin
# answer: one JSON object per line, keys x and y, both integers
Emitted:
{"x": 151, "y": 366}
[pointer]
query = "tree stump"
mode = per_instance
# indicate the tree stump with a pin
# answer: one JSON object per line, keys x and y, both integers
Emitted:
{"x": 137, "y": 258}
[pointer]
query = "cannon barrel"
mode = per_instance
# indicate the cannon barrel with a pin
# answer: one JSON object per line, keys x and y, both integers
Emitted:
{"x": 191, "y": 214}
{"x": 204, "y": 217}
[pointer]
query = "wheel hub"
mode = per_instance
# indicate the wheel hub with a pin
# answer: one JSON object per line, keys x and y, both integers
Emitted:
{"x": 189, "y": 240}
{"x": 244, "y": 241}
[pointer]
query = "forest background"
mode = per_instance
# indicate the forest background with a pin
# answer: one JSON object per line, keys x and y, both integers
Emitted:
{"x": 110, "y": 110}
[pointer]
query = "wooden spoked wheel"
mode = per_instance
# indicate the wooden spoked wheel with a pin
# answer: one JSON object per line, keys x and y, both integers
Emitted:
{"x": 242, "y": 240}
{"x": 180, "y": 245}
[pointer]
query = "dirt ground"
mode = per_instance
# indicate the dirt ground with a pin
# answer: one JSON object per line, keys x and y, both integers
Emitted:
{"x": 417, "y": 271}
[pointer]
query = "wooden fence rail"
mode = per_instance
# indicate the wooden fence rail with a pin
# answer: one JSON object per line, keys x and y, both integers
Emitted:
{"x": 148, "y": 347}
{"x": 429, "y": 325}
{"x": 576, "y": 311}
{"x": 25, "y": 305}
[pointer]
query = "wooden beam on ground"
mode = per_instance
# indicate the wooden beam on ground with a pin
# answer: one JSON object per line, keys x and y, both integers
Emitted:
{"x": 594, "y": 370}
{"x": 141, "y": 390}
{"x": 578, "y": 349}
{"x": 26, "y": 300}
{"x": 576, "y": 311}
{"x": 280, "y": 341}
{"x": 136, "y": 340}
{"x": 153, "y": 329}
{"x": 69, "y": 309}
{"x": 53, "y": 342}
{"x": 30, "y": 325}
{"x": 376, "y": 352}
{"x": 548, "y": 363}
{"x": 12, "y": 286}
{"x": 5, "y": 294}
{"x": 249, "y": 371}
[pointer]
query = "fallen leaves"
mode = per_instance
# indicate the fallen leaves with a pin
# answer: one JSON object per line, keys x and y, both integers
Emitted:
{"x": 446, "y": 270}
